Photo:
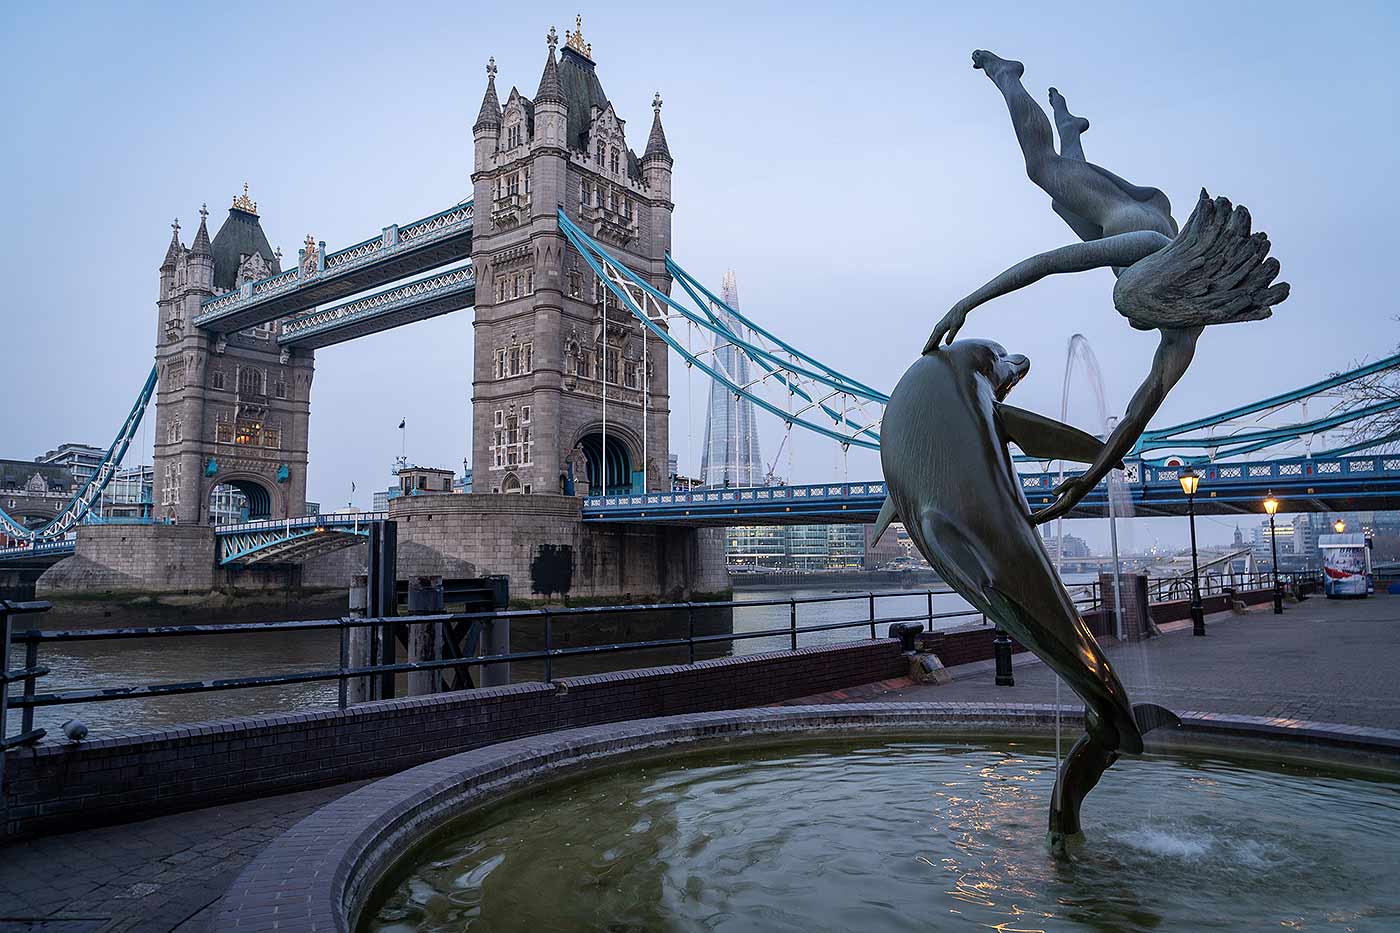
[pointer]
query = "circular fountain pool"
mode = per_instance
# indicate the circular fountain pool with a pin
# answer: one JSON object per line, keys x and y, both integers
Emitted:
{"x": 907, "y": 835}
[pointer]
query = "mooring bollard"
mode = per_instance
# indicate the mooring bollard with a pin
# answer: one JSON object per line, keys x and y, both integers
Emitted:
{"x": 425, "y": 596}
{"x": 357, "y": 639}
{"x": 495, "y": 639}
{"x": 1001, "y": 650}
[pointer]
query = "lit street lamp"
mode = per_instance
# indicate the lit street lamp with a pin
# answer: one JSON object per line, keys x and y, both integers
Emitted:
{"x": 1189, "y": 481}
{"x": 1340, "y": 526}
{"x": 1271, "y": 506}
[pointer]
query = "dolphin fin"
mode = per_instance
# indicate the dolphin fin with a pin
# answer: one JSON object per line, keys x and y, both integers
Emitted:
{"x": 1045, "y": 437}
{"x": 887, "y": 515}
{"x": 1150, "y": 716}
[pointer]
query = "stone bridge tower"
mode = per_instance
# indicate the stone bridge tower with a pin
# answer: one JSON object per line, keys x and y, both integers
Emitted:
{"x": 231, "y": 410}
{"x": 544, "y": 364}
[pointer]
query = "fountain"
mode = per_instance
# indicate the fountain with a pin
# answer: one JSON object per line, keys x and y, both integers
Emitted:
{"x": 898, "y": 815}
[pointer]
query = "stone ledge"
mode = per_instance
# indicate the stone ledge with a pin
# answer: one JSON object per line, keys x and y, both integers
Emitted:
{"x": 321, "y": 873}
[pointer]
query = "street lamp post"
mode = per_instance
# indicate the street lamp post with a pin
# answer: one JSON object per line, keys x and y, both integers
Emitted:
{"x": 1190, "y": 480}
{"x": 1339, "y": 526}
{"x": 1271, "y": 506}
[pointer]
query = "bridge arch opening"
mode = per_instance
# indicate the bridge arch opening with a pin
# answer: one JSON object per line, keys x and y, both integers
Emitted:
{"x": 618, "y": 460}
{"x": 232, "y": 501}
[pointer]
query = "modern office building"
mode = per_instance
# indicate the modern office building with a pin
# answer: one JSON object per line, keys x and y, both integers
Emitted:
{"x": 730, "y": 455}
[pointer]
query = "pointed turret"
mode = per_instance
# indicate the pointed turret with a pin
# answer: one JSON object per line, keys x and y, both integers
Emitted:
{"x": 176, "y": 252}
{"x": 200, "y": 246}
{"x": 656, "y": 142}
{"x": 490, "y": 115}
{"x": 550, "y": 88}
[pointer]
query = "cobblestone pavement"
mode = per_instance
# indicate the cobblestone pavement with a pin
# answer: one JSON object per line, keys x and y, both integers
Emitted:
{"x": 1325, "y": 661}
{"x": 161, "y": 874}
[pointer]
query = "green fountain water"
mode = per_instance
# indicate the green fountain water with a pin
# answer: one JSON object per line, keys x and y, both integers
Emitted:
{"x": 902, "y": 835}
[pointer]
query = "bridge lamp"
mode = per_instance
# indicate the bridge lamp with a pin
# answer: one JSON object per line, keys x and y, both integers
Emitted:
{"x": 1190, "y": 481}
{"x": 1340, "y": 526}
{"x": 1271, "y": 506}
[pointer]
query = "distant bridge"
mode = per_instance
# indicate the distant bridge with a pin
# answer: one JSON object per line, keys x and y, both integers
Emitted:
{"x": 1334, "y": 484}
{"x": 290, "y": 540}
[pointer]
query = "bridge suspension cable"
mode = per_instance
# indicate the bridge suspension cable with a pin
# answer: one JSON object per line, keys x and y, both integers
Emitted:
{"x": 80, "y": 505}
{"x": 789, "y": 384}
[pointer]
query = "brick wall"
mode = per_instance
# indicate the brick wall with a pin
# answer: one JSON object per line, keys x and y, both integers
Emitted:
{"x": 62, "y": 785}
{"x": 963, "y": 646}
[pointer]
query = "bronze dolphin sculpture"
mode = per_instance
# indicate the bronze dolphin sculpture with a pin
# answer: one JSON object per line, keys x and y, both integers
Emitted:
{"x": 951, "y": 480}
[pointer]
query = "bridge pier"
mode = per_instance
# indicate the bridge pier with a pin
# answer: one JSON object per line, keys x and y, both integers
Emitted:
{"x": 541, "y": 543}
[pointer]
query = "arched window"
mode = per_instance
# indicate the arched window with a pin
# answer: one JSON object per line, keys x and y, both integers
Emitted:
{"x": 250, "y": 381}
{"x": 613, "y": 160}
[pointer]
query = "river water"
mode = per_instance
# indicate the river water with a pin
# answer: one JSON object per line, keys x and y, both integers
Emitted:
{"x": 145, "y": 661}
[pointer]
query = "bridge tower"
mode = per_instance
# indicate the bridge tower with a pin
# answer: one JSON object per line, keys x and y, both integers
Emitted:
{"x": 230, "y": 410}
{"x": 556, "y": 394}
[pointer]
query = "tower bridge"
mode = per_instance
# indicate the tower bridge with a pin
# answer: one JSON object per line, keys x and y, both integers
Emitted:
{"x": 579, "y": 307}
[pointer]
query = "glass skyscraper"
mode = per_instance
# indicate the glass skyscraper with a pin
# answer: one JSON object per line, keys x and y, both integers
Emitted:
{"x": 730, "y": 455}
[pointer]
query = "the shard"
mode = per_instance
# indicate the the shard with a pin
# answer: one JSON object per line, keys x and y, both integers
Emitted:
{"x": 730, "y": 455}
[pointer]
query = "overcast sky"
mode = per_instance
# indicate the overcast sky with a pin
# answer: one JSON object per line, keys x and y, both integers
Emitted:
{"x": 846, "y": 161}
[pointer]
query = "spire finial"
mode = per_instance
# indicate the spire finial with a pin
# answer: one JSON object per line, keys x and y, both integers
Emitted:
{"x": 491, "y": 68}
{"x": 656, "y": 103}
{"x": 203, "y": 212}
{"x": 244, "y": 203}
{"x": 574, "y": 40}
{"x": 310, "y": 243}
{"x": 552, "y": 38}
{"x": 176, "y": 226}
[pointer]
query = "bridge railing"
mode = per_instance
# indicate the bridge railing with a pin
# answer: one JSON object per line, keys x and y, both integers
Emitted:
{"x": 867, "y": 619}
{"x": 740, "y": 494}
{"x": 328, "y": 520}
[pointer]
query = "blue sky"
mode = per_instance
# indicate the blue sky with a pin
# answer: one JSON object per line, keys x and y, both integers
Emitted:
{"x": 845, "y": 160}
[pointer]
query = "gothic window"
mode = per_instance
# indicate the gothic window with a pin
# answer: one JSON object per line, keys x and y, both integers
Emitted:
{"x": 172, "y": 431}
{"x": 612, "y": 201}
{"x": 175, "y": 377}
{"x": 500, "y": 288}
{"x": 515, "y": 361}
{"x": 281, "y": 388}
{"x": 525, "y": 414}
{"x": 517, "y": 286}
{"x": 513, "y": 136}
{"x": 627, "y": 208}
{"x": 586, "y": 196}
{"x": 599, "y": 152}
{"x": 170, "y": 491}
{"x": 272, "y": 437}
{"x": 500, "y": 417}
{"x": 527, "y": 352}
{"x": 612, "y": 160}
{"x": 527, "y": 180}
{"x": 614, "y": 361}
{"x": 529, "y": 281}
{"x": 500, "y": 367}
{"x": 248, "y": 431}
{"x": 575, "y": 283}
{"x": 250, "y": 382}
{"x": 631, "y": 375}
{"x": 223, "y": 430}
{"x": 216, "y": 379}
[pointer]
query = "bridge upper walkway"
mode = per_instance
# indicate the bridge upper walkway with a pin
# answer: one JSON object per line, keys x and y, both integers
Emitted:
{"x": 396, "y": 253}
{"x": 1333, "y": 484}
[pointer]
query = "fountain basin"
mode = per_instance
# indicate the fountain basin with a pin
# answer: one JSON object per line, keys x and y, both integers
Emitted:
{"x": 349, "y": 862}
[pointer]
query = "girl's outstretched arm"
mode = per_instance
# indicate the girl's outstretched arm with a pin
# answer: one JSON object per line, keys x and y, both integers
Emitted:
{"x": 1174, "y": 354}
{"x": 1114, "y": 251}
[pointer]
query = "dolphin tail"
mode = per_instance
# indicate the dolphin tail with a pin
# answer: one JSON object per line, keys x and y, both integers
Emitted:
{"x": 887, "y": 515}
{"x": 1149, "y": 716}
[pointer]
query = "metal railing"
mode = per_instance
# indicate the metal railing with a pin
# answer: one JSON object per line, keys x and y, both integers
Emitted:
{"x": 32, "y": 641}
{"x": 31, "y": 672}
{"x": 869, "y": 619}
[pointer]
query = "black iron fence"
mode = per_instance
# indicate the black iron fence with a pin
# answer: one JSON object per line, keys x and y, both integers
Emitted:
{"x": 31, "y": 642}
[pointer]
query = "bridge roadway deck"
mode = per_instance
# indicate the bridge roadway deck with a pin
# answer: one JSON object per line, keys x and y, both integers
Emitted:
{"x": 1327, "y": 661}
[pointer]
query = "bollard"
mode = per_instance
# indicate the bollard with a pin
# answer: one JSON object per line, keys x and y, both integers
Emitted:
{"x": 1001, "y": 649}
{"x": 495, "y": 639}
{"x": 907, "y": 633}
{"x": 357, "y": 642}
{"x": 425, "y": 596}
